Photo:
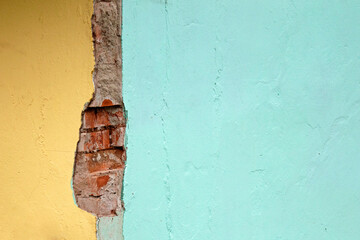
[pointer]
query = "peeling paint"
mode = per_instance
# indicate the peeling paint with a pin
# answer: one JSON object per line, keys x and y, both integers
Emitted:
{"x": 101, "y": 155}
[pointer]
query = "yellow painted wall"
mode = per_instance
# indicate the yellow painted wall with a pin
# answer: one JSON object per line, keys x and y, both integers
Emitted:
{"x": 45, "y": 79}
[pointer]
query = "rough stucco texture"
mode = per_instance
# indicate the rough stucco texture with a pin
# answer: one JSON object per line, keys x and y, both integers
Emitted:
{"x": 244, "y": 119}
{"x": 45, "y": 77}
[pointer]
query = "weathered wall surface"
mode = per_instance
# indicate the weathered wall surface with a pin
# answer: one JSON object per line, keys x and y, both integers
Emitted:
{"x": 100, "y": 154}
{"x": 45, "y": 77}
{"x": 244, "y": 119}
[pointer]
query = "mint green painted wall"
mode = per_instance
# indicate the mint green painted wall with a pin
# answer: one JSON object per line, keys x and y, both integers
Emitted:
{"x": 244, "y": 119}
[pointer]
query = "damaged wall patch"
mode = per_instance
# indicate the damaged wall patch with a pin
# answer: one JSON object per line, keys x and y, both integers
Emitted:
{"x": 101, "y": 155}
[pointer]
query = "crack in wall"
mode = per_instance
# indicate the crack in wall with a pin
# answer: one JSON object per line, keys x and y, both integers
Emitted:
{"x": 168, "y": 192}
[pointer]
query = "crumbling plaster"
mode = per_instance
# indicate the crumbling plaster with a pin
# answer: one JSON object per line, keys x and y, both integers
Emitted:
{"x": 100, "y": 153}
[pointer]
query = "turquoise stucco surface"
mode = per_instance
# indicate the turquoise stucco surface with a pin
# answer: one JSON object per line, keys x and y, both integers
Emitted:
{"x": 244, "y": 119}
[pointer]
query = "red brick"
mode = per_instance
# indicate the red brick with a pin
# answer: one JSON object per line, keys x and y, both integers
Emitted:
{"x": 102, "y": 181}
{"x": 118, "y": 137}
{"x": 102, "y": 118}
{"x": 116, "y": 116}
{"x": 92, "y": 192}
{"x": 92, "y": 141}
{"x": 89, "y": 119}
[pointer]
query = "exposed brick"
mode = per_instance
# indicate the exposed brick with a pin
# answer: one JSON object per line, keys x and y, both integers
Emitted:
{"x": 92, "y": 141}
{"x": 100, "y": 157}
{"x": 98, "y": 181}
{"x": 89, "y": 119}
{"x": 103, "y": 117}
{"x": 102, "y": 181}
{"x": 118, "y": 137}
{"x": 100, "y": 192}
{"x": 116, "y": 116}
{"x": 104, "y": 160}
